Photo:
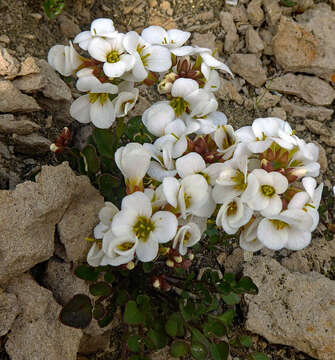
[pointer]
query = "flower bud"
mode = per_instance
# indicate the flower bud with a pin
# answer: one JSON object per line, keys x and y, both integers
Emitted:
{"x": 130, "y": 265}
{"x": 170, "y": 263}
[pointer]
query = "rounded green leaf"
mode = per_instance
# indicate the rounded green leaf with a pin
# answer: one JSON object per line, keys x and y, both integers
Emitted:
{"x": 134, "y": 343}
{"x": 77, "y": 312}
{"x": 109, "y": 277}
{"x": 155, "y": 339}
{"x": 259, "y": 356}
{"x": 86, "y": 272}
{"x": 198, "y": 336}
{"x": 227, "y": 317}
{"x": 98, "y": 311}
{"x": 92, "y": 163}
{"x": 198, "y": 351}
{"x": 100, "y": 289}
{"x": 179, "y": 348}
{"x": 246, "y": 341}
{"x": 215, "y": 327}
{"x": 105, "y": 141}
{"x": 132, "y": 314}
{"x": 246, "y": 285}
{"x": 231, "y": 299}
{"x": 174, "y": 325}
{"x": 107, "y": 185}
{"x": 219, "y": 351}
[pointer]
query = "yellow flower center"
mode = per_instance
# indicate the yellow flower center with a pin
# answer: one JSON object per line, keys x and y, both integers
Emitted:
{"x": 187, "y": 238}
{"x": 268, "y": 190}
{"x": 239, "y": 181}
{"x": 179, "y": 105}
{"x": 143, "y": 228}
{"x": 278, "y": 224}
{"x": 95, "y": 96}
{"x": 125, "y": 246}
{"x": 231, "y": 209}
{"x": 143, "y": 57}
{"x": 113, "y": 56}
{"x": 187, "y": 199}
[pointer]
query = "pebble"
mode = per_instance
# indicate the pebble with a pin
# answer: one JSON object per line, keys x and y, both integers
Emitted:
{"x": 272, "y": 12}
{"x": 4, "y": 39}
{"x": 255, "y": 13}
{"x": 253, "y": 41}
{"x": 231, "y": 38}
{"x": 322, "y": 157}
{"x": 278, "y": 112}
{"x": 31, "y": 144}
{"x": 316, "y": 127}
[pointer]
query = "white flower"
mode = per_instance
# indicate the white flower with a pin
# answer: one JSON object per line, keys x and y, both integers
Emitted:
{"x": 262, "y": 192}
{"x": 290, "y": 229}
{"x": 172, "y": 39}
{"x": 95, "y": 106}
{"x": 225, "y": 139}
{"x": 207, "y": 123}
{"x": 64, "y": 59}
{"x": 133, "y": 160}
{"x": 126, "y": 98}
{"x": 147, "y": 57}
{"x": 156, "y": 197}
{"x": 135, "y": 221}
{"x": 187, "y": 236}
{"x": 157, "y": 117}
{"x": 95, "y": 255}
{"x": 213, "y": 81}
{"x": 103, "y": 28}
{"x": 112, "y": 53}
{"x": 248, "y": 236}
{"x": 190, "y": 164}
{"x": 106, "y": 215}
{"x": 232, "y": 215}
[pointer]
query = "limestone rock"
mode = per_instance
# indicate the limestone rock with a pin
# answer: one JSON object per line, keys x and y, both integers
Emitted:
{"x": 316, "y": 127}
{"x": 291, "y": 308}
{"x": 323, "y": 161}
{"x": 67, "y": 27}
{"x": 28, "y": 221}
{"x": 37, "y": 333}
{"x": 277, "y": 112}
{"x": 266, "y": 100}
{"x": 29, "y": 66}
{"x": 254, "y": 43}
{"x": 229, "y": 91}
{"x": 309, "y": 88}
{"x": 8, "y": 125}
{"x": 9, "y": 66}
{"x": 239, "y": 13}
{"x": 267, "y": 37}
{"x": 249, "y": 67}
{"x": 8, "y": 311}
{"x": 272, "y": 11}
{"x": 231, "y": 38}
{"x": 31, "y": 144}
{"x": 309, "y": 45}
{"x": 255, "y": 13}
{"x": 233, "y": 262}
{"x": 12, "y": 100}
{"x": 305, "y": 111}
{"x": 204, "y": 40}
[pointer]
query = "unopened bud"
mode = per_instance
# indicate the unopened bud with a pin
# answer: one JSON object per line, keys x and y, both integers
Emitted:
{"x": 191, "y": 256}
{"x": 170, "y": 263}
{"x": 178, "y": 259}
{"x": 130, "y": 265}
{"x": 156, "y": 284}
{"x": 54, "y": 148}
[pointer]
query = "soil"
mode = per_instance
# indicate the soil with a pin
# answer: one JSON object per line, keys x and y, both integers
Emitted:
{"x": 31, "y": 32}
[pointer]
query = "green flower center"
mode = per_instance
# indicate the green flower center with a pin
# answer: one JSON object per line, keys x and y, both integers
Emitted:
{"x": 125, "y": 246}
{"x": 143, "y": 57}
{"x": 278, "y": 224}
{"x": 95, "y": 96}
{"x": 268, "y": 190}
{"x": 238, "y": 179}
{"x": 113, "y": 57}
{"x": 143, "y": 228}
{"x": 232, "y": 208}
{"x": 179, "y": 105}
{"x": 187, "y": 238}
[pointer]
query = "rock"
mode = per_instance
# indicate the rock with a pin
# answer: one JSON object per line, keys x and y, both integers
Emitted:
{"x": 229, "y": 91}
{"x": 231, "y": 38}
{"x": 329, "y": 140}
{"x": 272, "y": 11}
{"x": 233, "y": 262}
{"x": 316, "y": 127}
{"x": 204, "y": 40}
{"x": 31, "y": 144}
{"x": 91, "y": 344}
{"x": 255, "y": 13}
{"x": 307, "y": 46}
{"x": 79, "y": 220}
{"x": 309, "y": 88}
{"x": 8, "y": 125}
{"x": 8, "y": 311}
{"x": 30, "y": 83}
{"x": 266, "y": 36}
{"x": 28, "y": 221}
{"x": 162, "y": 354}
{"x": 266, "y": 100}
{"x": 291, "y": 308}
{"x": 239, "y": 13}
{"x": 37, "y": 332}
{"x": 67, "y": 27}
{"x": 4, "y": 39}
{"x": 254, "y": 43}
{"x": 12, "y": 100}
{"x": 29, "y": 66}
{"x": 9, "y": 66}
{"x": 81, "y": 136}
{"x": 278, "y": 112}
{"x": 249, "y": 67}
{"x": 322, "y": 157}
{"x": 305, "y": 111}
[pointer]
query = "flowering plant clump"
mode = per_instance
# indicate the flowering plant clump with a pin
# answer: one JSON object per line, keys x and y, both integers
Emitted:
{"x": 184, "y": 164}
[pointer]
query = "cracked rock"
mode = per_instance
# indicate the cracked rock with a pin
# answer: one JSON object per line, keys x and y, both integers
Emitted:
{"x": 8, "y": 125}
{"x": 8, "y": 311}
{"x": 255, "y": 13}
{"x": 231, "y": 38}
{"x": 9, "y": 66}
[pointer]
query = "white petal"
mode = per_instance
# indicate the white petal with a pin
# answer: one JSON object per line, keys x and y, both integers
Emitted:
{"x": 259, "y": 146}
{"x": 95, "y": 255}
{"x": 138, "y": 202}
{"x": 222, "y": 194}
{"x": 166, "y": 225}
{"x": 207, "y": 208}
{"x": 130, "y": 42}
{"x": 107, "y": 213}
{"x": 214, "y": 63}
{"x": 159, "y": 59}
{"x": 139, "y": 72}
{"x": 299, "y": 200}
{"x": 183, "y": 51}
{"x": 189, "y": 164}
{"x": 280, "y": 182}
{"x": 157, "y": 117}
{"x": 113, "y": 70}
{"x": 196, "y": 188}
{"x": 102, "y": 116}
{"x": 80, "y": 109}
{"x": 270, "y": 237}
{"x": 298, "y": 239}
{"x": 147, "y": 251}
{"x": 154, "y": 34}
{"x": 102, "y": 27}
{"x": 100, "y": 230}
{"x": 309, "y": 185}
{"x": 157, "y": 172}
{"x": 170, "y": 188}
{"x": 245, "y": 134}
{"x": 83, "y": 39}
{"x": 99, "y": 48}
{"x": 123, "y": 223}
{"x": 178, "y": 37}
{"x": 275, "y": 206}
{"x": 251, "y": 189}
{"x": 182, "y": 87}
{"x": 87, "y": 83}
{"x": 266, "y": 126}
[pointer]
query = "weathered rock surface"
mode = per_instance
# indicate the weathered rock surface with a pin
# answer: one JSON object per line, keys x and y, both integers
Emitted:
{"x": 231, "y": 38}
{"x": 31, "y": 144}
{"x": 32, "y": 211}
{"x": 249, "y": 67}
{"x": 266, "y": 100}
{"x": 292, "y": 308}
{"x": 254, "y": 43}
{"x": 316, "y": 127}
{"x": 309, "y": 88}
{"x": 255, "y": 13}
{"x": 8, "y": 311}
{"x": 229, "y": 91}
{"x": 309, "y": 45}
{"x": 29, "y": 66}
{"x": 12, "y": 100}
{"x": 37, "y": 333}
{"x": 9, "y": 66}
{"x": 8, "y": 125}
{"x": 272, "y": 11}
{"x": 305, "y": 111}
{"x": 204, "y": 40}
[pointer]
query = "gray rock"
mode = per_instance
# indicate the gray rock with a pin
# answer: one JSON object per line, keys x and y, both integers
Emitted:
{"x": 291, "y": 308}
{"x": 12, "y": 100}
{"x": 272, "y": 11}
{"x": 37, "y": 333}
{"x": 229, "y": 91}
{"x": 249, "y": 67}
{"x": 231, "y": 37}
{"x": 31, "y": 144}
{"x": 29, "y": 66}
{"x": 267, "y": 37}
{"x": 278, "y": 112}
{"x": 322, "y": 157}
{"x": 309, "y": 88}
{"x": 309, "y": 45}
{"x": 28, "y": 221}
{"x": 316, "y": 127}
{"x": 255, "y": 13}
{"x": 234, "y": 261}
{"x": 329, "y": 140}
{"x": 81, "y": 136}
{"x": 266, "y": 100}
{"x": 239, "y": 13}
{"x": 254, "y": 43}
{"x": 204, "y": 40}
{"x": 9, "y": 66}
{"x": 67, "y": 26}
{"x": 8, "y": 125}
{"x": 8, "y": 311}
{"x": 305, "y": 111}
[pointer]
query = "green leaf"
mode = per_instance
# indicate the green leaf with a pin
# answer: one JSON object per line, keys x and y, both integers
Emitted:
{"x": 288, "y": 3}
{"x": 107, "y": 185}
{"x": 215, "y": 327}
{"x": 100, "y": 289}
{"x": 231, "y": 299}
{"x": 98, "y": 311}
{"x": 198, "y": 336}
{"x": 246, "y": 285}
{"x": 157, "y": 339}
{"x": 132, "y": 314}
{"x": 105, "y": 141}
{"x": 147, "y": 267}
{"x": 187, "y": 310}
{"x": 77, "y": 312}
{"x": 227, "y": 317}
{"x": 109, "y": 277}
{"x": 121, "y": 297}
{"x": 229, "y": 277}
{"x": 179, "y": 348}
{"x": 134, "y": 343}
{"x": 52, "y": 8}
{"x": 92, "y": 163}
{"x": 174, "y": 325}
{"x": 259, "y": 356}
{"x": 86, "y": 272}
{"x": 246, "y": 341}
{"x": 137, "y": 132}
{"x": 107, "y": 319}
{"x": 107, "y": 165}
{"x": 198, "y": 351}
{"x": 219, "y": 351}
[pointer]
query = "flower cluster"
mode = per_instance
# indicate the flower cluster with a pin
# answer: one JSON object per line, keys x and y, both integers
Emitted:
{"x": 257, "y": 182}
